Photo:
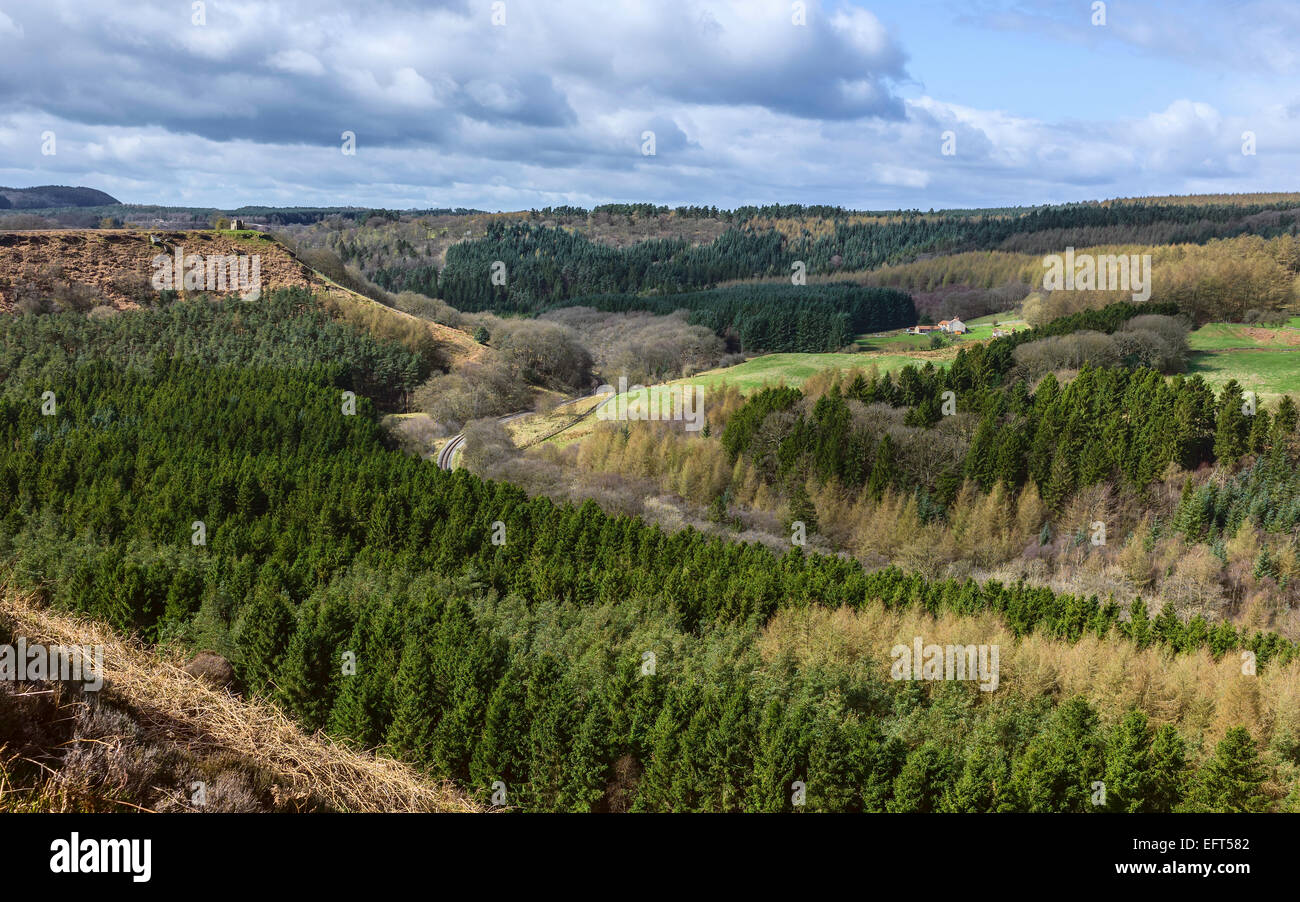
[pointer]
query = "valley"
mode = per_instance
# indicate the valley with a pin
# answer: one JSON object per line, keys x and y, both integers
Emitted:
{"x": 950, "y": 483}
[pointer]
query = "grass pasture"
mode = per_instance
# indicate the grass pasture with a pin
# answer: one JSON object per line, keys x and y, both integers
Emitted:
{"x": 531, "y": 430}
{"x": 1263, "y": 359}
{"x": 793, "y": 369}
{"x": 1232, "y": 336}
{"x": 753, "y": 374}
{"x": 898, "y": 340}
{"x": 1268, "y": 372}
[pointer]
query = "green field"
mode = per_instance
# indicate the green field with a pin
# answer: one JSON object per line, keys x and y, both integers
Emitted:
{"x": 1263, "y": 359}
{"x": 1008, "y": 317}
{"x": 769, "y": 369}
{"x": 898, "y": 340}
{"x": 1268, "y": 373}
{"x": 1220, "y": 336}
{"x": 1269, "y": 370}
{"x": 893, "y": 341}
{"x": 982, "y": 329}
{"x": 793, "y": 369}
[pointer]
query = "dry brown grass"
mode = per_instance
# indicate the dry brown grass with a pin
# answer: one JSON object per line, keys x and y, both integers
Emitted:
{"x": 457, "y": 347}
{"x": 171, "y": 706}
{"x": 540, "y": 427}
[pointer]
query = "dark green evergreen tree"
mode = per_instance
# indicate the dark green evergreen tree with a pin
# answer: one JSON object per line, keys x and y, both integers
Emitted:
{"x": 1232, "y": 780}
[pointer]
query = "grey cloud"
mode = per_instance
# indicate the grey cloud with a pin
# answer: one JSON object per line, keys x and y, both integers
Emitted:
{"x": 404, "y": 72}
{"x": 450, "y": 110}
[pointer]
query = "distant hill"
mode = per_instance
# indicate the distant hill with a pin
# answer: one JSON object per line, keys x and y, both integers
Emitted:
{"x": 45, "y": 196}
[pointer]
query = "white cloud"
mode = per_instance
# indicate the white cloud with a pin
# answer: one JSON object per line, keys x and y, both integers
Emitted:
{"x": 8, "y": 27}
{"x": 900, "y": 176}
{"x": 298, "y": 62}
{"x": 448, "y": 110}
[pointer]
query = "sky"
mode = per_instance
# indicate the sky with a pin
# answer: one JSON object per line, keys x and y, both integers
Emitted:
{"x": 518, "y": 104}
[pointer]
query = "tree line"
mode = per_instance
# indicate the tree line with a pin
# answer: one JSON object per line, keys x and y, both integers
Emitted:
{"x": 548, "y": 265}
{"x": 778, "y": 317}
{"x": 1107, "y": 425}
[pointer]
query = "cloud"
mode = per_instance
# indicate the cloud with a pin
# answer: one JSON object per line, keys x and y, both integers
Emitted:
{"x": 747, "y": 106}
{"x": 296, "y": 62}
{"x": 902, "y": 176}
{"x": 355, "y": 62}
{"x": 1247, "y": 35}
{"x": 8, "y": 28}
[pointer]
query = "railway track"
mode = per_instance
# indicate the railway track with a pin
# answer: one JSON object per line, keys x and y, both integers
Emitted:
{"x": 447, "y": 456}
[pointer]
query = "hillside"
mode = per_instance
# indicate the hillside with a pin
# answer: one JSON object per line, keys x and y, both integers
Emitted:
{"x": 515, "y": 662}
{"x": 118, "y": 264}
{"x": 115, "y": 267}
{"x": 154, "y": 728}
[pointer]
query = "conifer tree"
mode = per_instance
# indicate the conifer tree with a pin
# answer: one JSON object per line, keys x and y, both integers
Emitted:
{"x": 501, "y": 753}
{"x": 309, "y": 674}
{"x": 920, "y": 785}
{"x": 1129, "y": 772}
{"x": 1232, "y": 780}
{"x": 1168, "y": 628}
{"x": 587, "y": 767}
{"x": 1168, "y": 770}
{"x": 801, "y": 508}
{"x": 884, "y": 470}
{"x": 877, "y": 761}
{"x": 364, "y": 702}
{"x": 1232, "y": 426}
{"x": 776, "y": 763}
{"x": 1285, "y": 420}
{"x": 982, "y": 458}
{"x": 979, "y": 788}
{"x": 551, "y": 706}
{"x": 1139, "y": 627}
{"x": 728, "y": 748}
{"x": 1261, "y": 428}
{"x": 419, "y": 704}
{"x": 1060, "y": 482}
{"x": 832, "y": 777}
{"x": 1061, "y": 763}
{"x": 658, "y": 783}
{"x": 262, "y": 637}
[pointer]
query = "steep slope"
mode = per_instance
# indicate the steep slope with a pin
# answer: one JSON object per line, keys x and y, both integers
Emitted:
{"x": 115, "y": 267}
{"x": 153, "y": 730}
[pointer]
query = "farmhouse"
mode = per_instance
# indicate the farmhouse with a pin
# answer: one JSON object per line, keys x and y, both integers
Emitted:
{"x": 954, "y": 326}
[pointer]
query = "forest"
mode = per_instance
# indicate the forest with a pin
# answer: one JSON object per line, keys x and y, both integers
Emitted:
{"x": 587, "y": 661}
{"x": 646, "y": 258}
{"x": 546, "y": 265}
{"x": 1109, "y": 424}
{"x": 775, "y": 317}
{"x": 286, "y": 328}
